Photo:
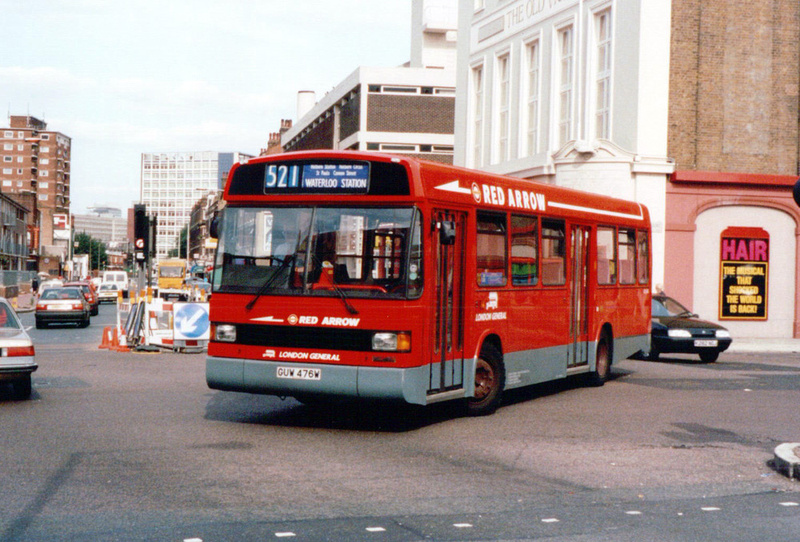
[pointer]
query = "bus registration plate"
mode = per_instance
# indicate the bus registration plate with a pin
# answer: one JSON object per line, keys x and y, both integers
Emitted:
{"x": 706, "y": 342}
{"x": 299, "y": 373}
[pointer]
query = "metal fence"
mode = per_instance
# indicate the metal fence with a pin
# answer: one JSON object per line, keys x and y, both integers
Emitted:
{"x": 11, "y": 278}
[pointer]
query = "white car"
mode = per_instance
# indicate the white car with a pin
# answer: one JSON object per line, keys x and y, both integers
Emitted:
{"x": 53, "y": 283}
{"x": 108, "y": 292}
{"x": 18, "y": 358}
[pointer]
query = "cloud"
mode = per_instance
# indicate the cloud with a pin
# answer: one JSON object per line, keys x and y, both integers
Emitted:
{"x": 45, "y": 76}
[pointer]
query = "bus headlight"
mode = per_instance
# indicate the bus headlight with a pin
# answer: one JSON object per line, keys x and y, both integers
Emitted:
{"x": 225, "y": 333}
{"x": 392, "y": 341}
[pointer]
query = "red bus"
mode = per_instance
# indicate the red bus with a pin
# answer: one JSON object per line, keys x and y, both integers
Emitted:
{"x": 349, "y": 274}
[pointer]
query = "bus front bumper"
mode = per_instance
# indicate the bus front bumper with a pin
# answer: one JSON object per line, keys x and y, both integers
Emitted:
{"x": 307, "y": 379}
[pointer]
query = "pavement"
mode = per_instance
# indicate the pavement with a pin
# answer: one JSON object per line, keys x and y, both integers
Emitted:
{"x": 24, "y": 302}
{"x": 778, "y": 345}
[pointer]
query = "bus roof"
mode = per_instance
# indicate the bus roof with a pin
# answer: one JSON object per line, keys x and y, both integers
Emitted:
{"x": 378, "y": 177}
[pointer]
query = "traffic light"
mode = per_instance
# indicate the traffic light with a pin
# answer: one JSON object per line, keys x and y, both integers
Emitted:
{"x": 141, "y": 231}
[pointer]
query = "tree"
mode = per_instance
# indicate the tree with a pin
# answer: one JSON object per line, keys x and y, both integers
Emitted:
{"x": 96, "y": 249}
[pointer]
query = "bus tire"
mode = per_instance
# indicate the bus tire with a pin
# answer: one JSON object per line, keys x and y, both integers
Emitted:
{"x": 602, "y": 364}
{"x": 490, "y": 379}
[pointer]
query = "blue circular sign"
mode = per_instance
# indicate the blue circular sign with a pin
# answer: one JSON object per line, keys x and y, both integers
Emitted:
{"x": 191, "y": 320}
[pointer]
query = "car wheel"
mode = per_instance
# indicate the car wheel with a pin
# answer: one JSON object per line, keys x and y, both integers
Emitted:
{"x": 22, "y": 387}
{"x": 490, "y": 379}
{"x": 709, "y": 357}
{"x": 86, "y": 321}
{"x": 96, "y": 310}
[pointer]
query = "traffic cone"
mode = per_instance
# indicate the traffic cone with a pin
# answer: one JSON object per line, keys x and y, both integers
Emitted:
{"x": 106, "y": 341}
{"x": 114, "y": 339}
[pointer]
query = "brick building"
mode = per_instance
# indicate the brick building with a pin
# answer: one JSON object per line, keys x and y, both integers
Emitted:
{"x": 36, "y": 173}
{"x": 733, "y": 133}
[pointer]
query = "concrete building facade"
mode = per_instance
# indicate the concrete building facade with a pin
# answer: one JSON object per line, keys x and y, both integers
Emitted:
{"x": 171, "y": 184}
{"x": 403, "y": 110}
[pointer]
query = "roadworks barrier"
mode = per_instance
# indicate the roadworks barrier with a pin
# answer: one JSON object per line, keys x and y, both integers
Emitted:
{"x": 147, "y": 324}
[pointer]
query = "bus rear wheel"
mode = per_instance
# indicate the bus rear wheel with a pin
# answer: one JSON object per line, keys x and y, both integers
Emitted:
{"x": 490, "y": 380}
{"x": 602, "y": 365}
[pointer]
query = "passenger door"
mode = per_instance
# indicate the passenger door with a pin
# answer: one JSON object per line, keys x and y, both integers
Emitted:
{"x": 447, "y": 358}
{"x": 578, "y": 349}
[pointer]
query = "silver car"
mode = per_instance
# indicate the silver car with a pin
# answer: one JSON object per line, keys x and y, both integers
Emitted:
{"x": 17, "y": 355}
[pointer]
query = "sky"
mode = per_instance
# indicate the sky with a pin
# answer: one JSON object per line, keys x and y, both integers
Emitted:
{"x": 122, "y": 78}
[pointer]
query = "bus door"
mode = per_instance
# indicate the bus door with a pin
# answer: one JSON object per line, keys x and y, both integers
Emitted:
{"x": 447, "y": 362}
{"x": 578, "y": 353}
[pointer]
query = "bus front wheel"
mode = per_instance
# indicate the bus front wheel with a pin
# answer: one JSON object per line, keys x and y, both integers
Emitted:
{"x": 489, "y": 383}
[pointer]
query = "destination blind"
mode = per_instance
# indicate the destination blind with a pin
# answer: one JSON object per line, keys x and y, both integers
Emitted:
{"x": 335, "y": 178}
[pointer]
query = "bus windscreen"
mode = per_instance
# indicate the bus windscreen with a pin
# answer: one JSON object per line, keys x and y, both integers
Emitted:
{"x": 366, "y": 252}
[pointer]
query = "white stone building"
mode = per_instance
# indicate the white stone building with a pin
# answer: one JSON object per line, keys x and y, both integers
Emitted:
{"x": 569, "y": 92}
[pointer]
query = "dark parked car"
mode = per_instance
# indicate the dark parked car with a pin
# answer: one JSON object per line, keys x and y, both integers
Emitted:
{"x": 676, "y": 330}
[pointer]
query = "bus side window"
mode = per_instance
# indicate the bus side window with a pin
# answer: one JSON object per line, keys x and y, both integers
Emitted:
{"x": 627, "y": 256}
{"x": 643, "y": 257}
{"x": 554, "y": 251}
{"x": 524, "y": 250}
{"x": 491, "y": 249}
{"x": 606, "y": 255}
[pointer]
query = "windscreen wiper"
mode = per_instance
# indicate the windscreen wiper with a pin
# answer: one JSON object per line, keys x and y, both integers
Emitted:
{"x": 343, "y": 296}
{"x": 270, "y": 281}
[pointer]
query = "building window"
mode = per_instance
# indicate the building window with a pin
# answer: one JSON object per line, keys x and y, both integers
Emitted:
{"x": 477, "y": 116}
{"x": 603, "y": 75}
{"x": 502, "y": 111}
{"x": 565, "y": 84}
{"x": 531, "y": 116}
